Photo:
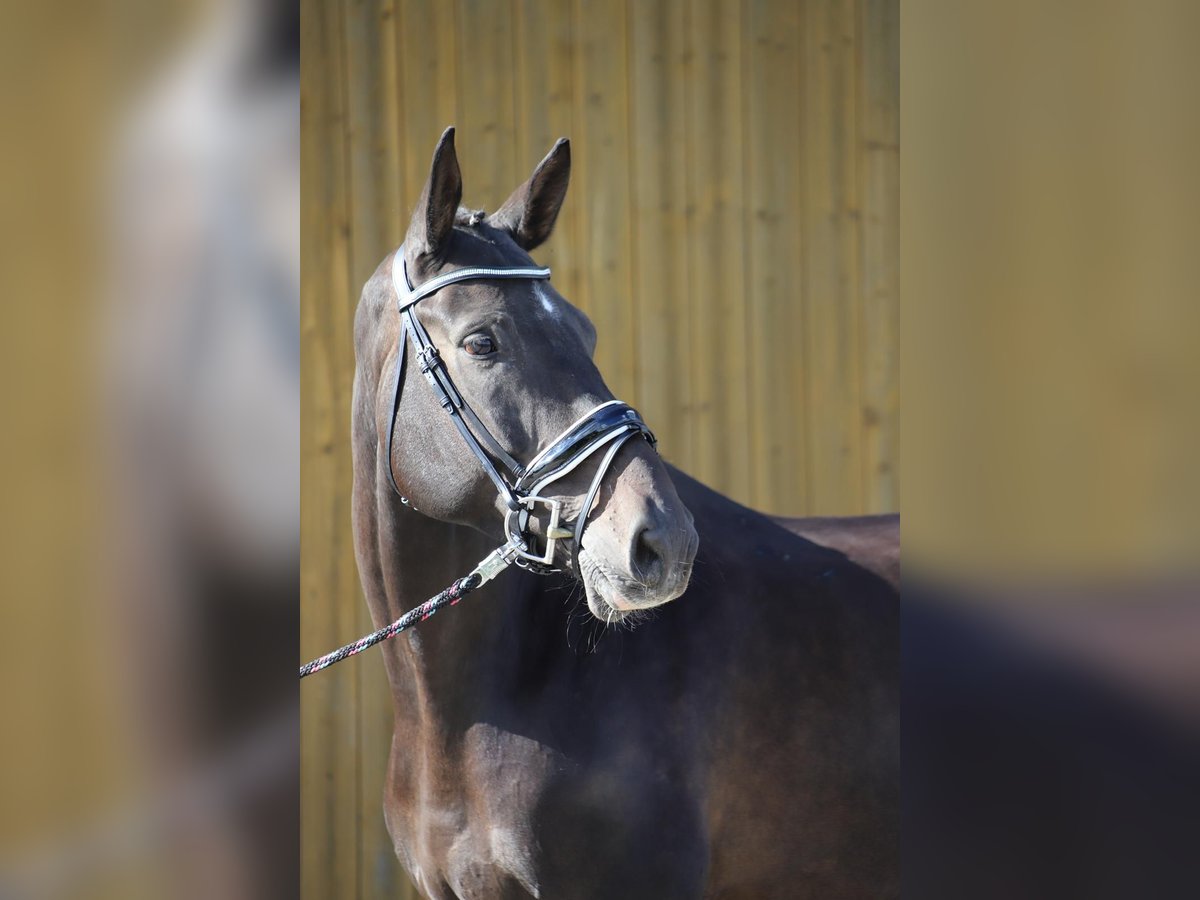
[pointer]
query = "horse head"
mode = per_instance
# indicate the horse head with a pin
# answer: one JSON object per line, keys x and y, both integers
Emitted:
{"x": 520, "y": 356}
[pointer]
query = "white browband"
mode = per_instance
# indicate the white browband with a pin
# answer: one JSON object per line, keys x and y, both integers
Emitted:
{"x": 409, "y": 296}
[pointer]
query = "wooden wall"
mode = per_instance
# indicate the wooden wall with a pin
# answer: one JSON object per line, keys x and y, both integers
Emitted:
{"x": 731, "y": 228}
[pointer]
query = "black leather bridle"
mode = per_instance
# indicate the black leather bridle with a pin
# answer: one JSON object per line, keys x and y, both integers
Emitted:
{"x": 608, "y": 426}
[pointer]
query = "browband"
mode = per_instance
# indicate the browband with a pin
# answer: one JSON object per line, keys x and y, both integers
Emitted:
{"x": 409, "y": 295}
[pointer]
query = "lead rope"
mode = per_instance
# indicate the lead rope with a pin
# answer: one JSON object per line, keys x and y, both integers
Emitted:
{"x": 450, "y": 595}
{"x": 491, "y": 566}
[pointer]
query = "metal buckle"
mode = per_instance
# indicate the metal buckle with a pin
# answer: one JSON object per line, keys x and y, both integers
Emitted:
{"x": 551, "y": 531}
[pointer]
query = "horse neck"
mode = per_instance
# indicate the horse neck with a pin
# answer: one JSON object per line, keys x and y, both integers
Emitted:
{"x": 433, "y": 667}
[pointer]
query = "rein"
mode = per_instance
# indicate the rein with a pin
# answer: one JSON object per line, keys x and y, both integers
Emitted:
{"x": 609, "y": 425}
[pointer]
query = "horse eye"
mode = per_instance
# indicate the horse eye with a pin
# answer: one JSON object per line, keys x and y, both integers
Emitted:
{"x": 479, "y": 345}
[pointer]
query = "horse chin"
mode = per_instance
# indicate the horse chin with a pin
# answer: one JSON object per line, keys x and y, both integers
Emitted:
{"x": 608, "y": 602}
{"x": 599, "y": 590}
{"x": 605, "y": 611}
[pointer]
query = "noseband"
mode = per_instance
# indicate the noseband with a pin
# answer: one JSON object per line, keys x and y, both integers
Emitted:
{"x": 609, "y": 425}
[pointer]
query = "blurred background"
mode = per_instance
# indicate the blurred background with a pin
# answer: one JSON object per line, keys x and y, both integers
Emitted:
{"x": 1050, "y": 214}
{"x": 148, "y": 632}
{"x": 1048, "y": 220}
{"x": 731, "y": 229}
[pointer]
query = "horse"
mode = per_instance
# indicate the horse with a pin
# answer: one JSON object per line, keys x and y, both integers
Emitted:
{"x": 741, "y": 741}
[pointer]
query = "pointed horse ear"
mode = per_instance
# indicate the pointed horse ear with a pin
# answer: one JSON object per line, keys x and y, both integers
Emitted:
{"x": 529, "y": 214}
{"x": 433, "y": 219}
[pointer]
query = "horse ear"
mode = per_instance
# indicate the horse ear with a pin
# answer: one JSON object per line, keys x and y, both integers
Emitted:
{"x": 529, "y": 214}
{"x": 433, "y": 219}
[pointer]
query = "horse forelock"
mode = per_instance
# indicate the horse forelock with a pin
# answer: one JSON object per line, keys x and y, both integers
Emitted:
{"x": 469, "y": 217}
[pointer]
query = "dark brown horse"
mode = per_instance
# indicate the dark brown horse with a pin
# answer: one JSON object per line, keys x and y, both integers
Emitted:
{"x": 741, "y": 742}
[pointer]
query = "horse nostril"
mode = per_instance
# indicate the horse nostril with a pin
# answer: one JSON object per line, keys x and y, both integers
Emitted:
{"x": 648, "y": 553}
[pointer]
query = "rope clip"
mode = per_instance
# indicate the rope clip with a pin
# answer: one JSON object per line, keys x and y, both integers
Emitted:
{"x": 494, "y": 563}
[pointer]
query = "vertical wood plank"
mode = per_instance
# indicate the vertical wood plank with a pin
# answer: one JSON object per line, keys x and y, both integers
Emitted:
{"x": 660, "y": 219}
{"x": 378, "y": 220}
{"x": 329, "y": 751}
{"x": 602, "y": 154}
{"x": 831, "y": 263}
{"x": 486, "y": 134}
{"x": 377, "y": 223}
{"x": 880, "y": 159}
{"x": 772, "y": 47}
{"x": 429, "y": 74}
{"x": 543, "y": 36}
{"x": 719, "y": 431}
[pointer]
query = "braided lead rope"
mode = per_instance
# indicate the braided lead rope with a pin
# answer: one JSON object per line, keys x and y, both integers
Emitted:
{"x": 489, "y": 567}
{"x": 448, "y": 597}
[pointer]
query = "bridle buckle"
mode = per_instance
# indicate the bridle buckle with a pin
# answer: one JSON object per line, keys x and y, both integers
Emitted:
{"x": 428, "y": 357}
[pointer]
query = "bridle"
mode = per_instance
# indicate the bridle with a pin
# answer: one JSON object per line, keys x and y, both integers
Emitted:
{"x": 610, "y": 425}
{"x": 606, "y": 427}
